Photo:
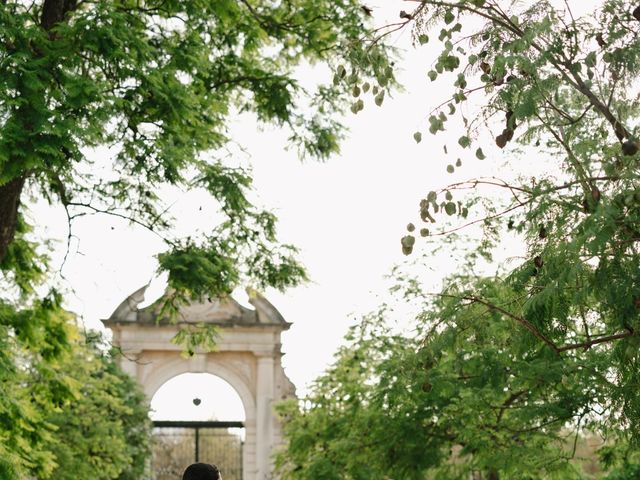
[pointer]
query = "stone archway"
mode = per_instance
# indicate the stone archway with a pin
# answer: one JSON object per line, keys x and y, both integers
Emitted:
{"x": 248, "y": 357}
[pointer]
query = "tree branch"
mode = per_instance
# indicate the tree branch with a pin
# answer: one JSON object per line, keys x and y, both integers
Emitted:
{"x": 133, "y": 220}
{"x": 597, "y": 341}
{"x": 522, "y": 321}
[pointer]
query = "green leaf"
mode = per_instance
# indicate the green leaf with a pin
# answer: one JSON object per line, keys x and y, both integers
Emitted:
{"x": 449, "y": 16}
{"x": 480, "y": 154}
{"x": 450, "y": 208}
{"x": 417, "y": 136}
{"x": 464, "y": 141}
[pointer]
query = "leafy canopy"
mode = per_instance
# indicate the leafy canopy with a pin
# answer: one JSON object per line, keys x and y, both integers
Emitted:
{"x": 154, "y": 83}
{"x": 505, "y": 375}
{"x": 67, "y": 411}
{"x": 157, "y": 82}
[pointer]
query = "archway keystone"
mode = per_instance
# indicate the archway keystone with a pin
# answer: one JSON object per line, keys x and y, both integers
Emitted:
{"x": 248, "y": 357}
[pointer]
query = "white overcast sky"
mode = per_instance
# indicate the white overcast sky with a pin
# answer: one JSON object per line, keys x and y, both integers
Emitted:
{"x": 346, "y": 215}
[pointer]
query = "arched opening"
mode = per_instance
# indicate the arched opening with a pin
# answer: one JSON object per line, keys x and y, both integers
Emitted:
{"x": 197, "y": 417}
{"x": 174, "y": 400}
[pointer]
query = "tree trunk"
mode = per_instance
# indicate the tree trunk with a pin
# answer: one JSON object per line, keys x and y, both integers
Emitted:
{"x": 9, "y": 203}
{"x": 53, "y": 12}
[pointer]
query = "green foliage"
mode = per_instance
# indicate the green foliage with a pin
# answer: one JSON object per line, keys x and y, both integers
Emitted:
{"x": 66, "y": 409}
{"x": 23, "y": 264}
{"x": 32, "y": 340}
{"x": 104, "y": 431}
{"x": 504, "y": 375}
{"x": 156, "y": 82}
{"x": 469, "y": 392}
{"x": 196, "y": 336}
{"x": 623, "y": 458}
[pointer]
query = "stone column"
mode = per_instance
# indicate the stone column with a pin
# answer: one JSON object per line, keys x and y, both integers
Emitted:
{"x": 264, "y": 415}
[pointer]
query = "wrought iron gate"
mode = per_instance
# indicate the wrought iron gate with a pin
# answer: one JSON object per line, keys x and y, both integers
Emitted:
{"x": 178, "y": 444}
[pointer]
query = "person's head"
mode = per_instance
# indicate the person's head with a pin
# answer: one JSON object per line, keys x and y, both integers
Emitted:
{"x": 201, "y": 471}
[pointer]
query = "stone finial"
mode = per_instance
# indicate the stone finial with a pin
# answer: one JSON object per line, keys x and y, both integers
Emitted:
{"x": 127, "y": 311}
{"x": 267, "y": 313}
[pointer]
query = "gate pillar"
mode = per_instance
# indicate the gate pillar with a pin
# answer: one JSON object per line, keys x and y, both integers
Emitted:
{"x": 264, "y": 417}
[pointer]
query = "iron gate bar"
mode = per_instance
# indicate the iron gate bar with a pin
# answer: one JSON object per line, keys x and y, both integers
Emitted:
{"x": 197, "y": 444}
{"x": 197, "y": 424}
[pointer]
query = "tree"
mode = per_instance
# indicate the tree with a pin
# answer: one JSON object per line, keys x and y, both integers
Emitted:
{"x": 503, "y": 368}
{"x": 67, "y": 410}
{"x": 32, "y": 341}
{"x": 158, "y": 80}
{"x": 155, "y": 81}
{"x": 104, "y": 431}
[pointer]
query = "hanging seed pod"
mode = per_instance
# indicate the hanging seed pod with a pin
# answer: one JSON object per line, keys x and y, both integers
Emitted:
{"x": 537, "y": 261}
{"x": 450, "y": 208}
{"x": 542, "y": 233}
{"x": 408, "y": 242}
{"x": 510, "y": 120}
{"x": 424, "y": 210}
{"x": 508, "y": 133}
{"x": 636, "y": 13}
{"x": 501, "y": 140}
{"x": 630, "y": 147}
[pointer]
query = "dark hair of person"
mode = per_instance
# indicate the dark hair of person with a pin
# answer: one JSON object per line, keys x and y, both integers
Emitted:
{"x": 201, "y": 471}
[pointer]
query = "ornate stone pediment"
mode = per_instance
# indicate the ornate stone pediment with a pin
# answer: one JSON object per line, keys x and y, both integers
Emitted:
{"x": 225, "y": 311}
